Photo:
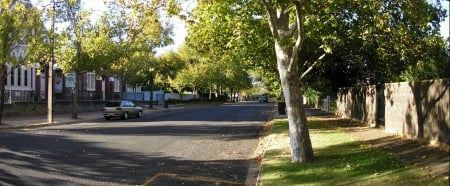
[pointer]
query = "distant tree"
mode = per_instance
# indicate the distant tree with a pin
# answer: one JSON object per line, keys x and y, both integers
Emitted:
{"x": 140, "y": 32}
{"x": 188, "y": 79}
{"x": 235, "y": 42}
{"x": 169, "y": 64}
{"x": 180, "y": 81}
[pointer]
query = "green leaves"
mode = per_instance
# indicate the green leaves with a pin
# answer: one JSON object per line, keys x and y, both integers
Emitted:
{"x": 235, "y": 36}
{"x": 17, "y": 28}
{"x": 135, "y": 30}
{"x": 382, "y": 38}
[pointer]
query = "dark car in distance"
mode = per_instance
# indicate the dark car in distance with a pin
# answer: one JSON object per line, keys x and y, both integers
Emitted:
{"x": 263, "y": 99}
{"x": 121, "y": 109}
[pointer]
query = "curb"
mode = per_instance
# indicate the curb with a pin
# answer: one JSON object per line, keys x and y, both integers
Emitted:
{"x": 46, "y": 124}
{"x": 255, "y": 168}
{"x": 5, "y": 127}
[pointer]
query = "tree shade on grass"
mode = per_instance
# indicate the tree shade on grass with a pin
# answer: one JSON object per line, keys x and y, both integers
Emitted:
{"x": 340, "y": 160}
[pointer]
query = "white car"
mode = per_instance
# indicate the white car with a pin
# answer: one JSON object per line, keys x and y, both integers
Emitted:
{"x": 121, "y": 109}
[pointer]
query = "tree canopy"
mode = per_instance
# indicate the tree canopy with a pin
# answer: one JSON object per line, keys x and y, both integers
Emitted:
{"x": 338, "y": 43}
{"x": 381, "y": 41}
{"x": 19, "y": 38}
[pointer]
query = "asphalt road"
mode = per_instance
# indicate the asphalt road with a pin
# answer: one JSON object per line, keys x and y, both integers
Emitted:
{"x": 210, "y": 145}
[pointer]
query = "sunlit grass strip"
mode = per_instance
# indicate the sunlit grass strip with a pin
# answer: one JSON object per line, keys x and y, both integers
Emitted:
{"x": 340, "y": 160}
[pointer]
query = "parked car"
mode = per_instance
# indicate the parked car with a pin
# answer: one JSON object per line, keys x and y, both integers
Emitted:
{"x": 121, "y": 109}
{"x": 263, "y": 99}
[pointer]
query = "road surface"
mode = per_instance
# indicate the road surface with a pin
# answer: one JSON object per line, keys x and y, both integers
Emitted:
{"x": 210, "y": 145}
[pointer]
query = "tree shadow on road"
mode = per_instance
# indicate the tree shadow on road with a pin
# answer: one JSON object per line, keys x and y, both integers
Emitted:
{"x": 58, "y": 160}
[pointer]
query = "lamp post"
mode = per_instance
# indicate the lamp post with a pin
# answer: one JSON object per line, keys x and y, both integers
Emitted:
{"x": 50, "y": 67}
{"x": 51, "y": 63}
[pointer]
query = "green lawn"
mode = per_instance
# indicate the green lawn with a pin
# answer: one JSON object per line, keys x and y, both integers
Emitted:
{"x": 340, "y": 159}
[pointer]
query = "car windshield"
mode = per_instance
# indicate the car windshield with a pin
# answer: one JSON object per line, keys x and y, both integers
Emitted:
{"x": 112, "y": 104}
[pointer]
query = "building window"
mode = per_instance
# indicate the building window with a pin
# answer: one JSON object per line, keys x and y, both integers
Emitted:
{"x": 91, "y": 81}
{"x": 19, "y": 76}
{"x": 8, "y": 75}
{"x": 25, "y": 77}
{"x": 116, "y": 85}
{"x": 13, "y": 78}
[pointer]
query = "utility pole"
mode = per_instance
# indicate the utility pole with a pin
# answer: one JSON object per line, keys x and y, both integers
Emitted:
{"x": 50, "y": 66}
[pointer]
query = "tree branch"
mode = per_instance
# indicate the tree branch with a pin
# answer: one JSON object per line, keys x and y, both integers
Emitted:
{"x": 292, "y": 29}
{"x": 313, "y": 65}
{"x": 299, "y": 36}
{"x": 302, "y": 2}
{"x": 270, "y": 15}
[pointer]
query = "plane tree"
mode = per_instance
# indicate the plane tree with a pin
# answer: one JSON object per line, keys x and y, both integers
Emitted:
{"x": 235, "y": 76}
{"x": 375, "y": 43}
{"x": 140, "y": 30}
{"x": 169, "y": 64}
{"x": 227, "y": 42}
{"x": 83, "y": 47}
{"x": 303, "y": 35}
{"x": 180, "y": 81}
{"x": 381, "y": 38}
{"x": 189, "y": 78}
{"x": 216, "y": 20}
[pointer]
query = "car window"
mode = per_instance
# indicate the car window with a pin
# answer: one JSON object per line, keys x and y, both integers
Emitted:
{"x": 113, "y": 104}
{"x": 131, "y": 103}
{"x": 127, "y": 103}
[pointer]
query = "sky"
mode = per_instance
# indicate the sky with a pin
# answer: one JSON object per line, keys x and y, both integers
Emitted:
{"x": 180, "y": 31}
{"x": 445, "y": 26}
{"x": 179, "y": 35}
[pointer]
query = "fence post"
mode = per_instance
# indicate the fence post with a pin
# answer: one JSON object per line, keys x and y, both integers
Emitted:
{"x": 326, "y": 104}
{"x": 316, "y": 103}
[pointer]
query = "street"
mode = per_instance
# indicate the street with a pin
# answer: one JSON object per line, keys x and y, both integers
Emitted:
{"x": 208, "y": 145}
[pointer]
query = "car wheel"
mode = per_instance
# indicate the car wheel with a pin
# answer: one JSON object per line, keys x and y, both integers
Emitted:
{"x": 107, "y": 117}
{"x": 139, "y": 114}
{"x": 125, "y": 116}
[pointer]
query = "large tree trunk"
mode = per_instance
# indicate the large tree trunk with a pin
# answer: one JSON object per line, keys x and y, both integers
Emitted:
{"x": 301, "y": 148}
{"x": 284, "y": 31}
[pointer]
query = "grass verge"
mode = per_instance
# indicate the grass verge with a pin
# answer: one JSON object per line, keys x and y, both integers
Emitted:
{"x": 340, "y": 159}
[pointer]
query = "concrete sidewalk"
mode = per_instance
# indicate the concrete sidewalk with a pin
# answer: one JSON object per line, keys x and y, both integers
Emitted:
{"x": 23, "y": 122}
